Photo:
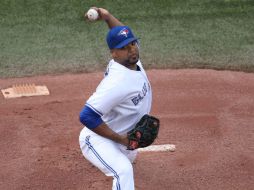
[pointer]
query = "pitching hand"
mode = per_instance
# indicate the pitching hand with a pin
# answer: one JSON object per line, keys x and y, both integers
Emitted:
{"x": 103, "y": 14}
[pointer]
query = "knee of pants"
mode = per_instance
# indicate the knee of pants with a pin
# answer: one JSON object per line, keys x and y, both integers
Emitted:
{"x": 125, "y": 168}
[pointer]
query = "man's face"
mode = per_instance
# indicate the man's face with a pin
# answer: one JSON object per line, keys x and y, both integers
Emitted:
{"x": 127, "y": 55}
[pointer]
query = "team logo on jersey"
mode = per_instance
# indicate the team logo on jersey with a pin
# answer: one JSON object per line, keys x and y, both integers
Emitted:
{"x": 124, "y": 32}
{"x": 140, "y": 96}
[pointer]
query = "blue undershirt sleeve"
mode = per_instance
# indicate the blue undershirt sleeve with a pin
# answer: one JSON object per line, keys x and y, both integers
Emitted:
{"x": 90, "y": 118}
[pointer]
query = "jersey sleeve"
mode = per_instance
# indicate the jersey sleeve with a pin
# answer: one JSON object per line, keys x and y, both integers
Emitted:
{"x": 90, "y": 118}
{"x": 108, "y": 94}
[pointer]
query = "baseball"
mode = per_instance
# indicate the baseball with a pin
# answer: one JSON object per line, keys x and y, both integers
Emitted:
{"x": 92, "y": 14}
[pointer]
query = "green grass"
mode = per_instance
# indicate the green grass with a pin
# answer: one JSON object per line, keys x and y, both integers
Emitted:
{"x": 44, "y": 36}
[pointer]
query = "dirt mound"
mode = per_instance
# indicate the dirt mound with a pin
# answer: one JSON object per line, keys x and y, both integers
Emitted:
{"x": 207, "y": 114}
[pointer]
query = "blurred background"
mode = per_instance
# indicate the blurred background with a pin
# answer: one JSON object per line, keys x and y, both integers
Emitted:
{"x": 51, "y": 37}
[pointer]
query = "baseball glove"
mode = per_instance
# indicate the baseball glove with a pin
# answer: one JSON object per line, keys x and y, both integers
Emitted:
{"x": 144, "y": 133}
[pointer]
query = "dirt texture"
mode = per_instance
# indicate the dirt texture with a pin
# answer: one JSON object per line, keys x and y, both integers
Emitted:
{"x": 208, "y": 115}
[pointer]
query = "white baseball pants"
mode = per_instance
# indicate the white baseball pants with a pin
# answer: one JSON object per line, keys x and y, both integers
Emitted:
{"x": 111, "y": 158}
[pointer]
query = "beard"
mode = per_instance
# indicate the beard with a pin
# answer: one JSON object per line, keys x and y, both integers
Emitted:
{"x": 129, "y": 61}
{"x": 133, "y": 59}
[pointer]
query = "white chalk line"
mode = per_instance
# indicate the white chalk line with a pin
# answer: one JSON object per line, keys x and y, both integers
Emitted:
{"x": 157, "y": 148}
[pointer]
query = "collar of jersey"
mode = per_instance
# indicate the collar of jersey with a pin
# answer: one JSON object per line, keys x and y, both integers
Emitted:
{"x": 115, "y": 64}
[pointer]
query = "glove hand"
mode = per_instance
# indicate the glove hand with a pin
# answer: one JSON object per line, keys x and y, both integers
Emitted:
{"x": 144, "y": 133}
{"x": 134, "y": 142}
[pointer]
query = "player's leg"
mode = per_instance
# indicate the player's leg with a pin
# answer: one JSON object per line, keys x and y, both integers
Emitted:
{"x": 131, "y": 154}
{"x": 106, "y": 155}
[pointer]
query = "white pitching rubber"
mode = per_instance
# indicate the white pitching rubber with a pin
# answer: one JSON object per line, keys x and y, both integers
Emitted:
{"x": 156, "y": 148}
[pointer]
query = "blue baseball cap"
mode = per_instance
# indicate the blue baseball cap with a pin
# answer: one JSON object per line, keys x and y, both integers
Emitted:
{"x": 120, "y": 36}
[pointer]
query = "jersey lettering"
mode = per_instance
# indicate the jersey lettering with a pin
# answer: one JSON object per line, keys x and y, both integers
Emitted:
{"x": 140, "y": 96}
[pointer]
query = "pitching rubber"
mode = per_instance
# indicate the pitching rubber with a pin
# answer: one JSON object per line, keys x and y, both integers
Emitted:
{"x": 156, "y": 148}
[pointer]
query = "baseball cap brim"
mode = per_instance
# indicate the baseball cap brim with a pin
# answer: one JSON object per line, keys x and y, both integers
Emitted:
{"x": 125, "y": 42}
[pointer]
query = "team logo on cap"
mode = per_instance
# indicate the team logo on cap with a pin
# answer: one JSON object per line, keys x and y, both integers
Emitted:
{"x": 124, "y": 32}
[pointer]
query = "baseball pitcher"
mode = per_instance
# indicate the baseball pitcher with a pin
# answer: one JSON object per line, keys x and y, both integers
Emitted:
{"x": 116, "y": 116}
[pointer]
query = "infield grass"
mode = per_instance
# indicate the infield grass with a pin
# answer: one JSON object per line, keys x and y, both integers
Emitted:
{"x": 46, "y": 37}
